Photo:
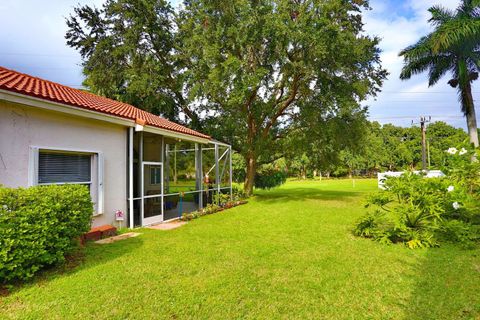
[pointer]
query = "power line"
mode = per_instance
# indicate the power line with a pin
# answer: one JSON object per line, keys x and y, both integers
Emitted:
{"x": 421, "y": 92}
{"x": 410, "y": 117}
{"x": 414, "y": 101}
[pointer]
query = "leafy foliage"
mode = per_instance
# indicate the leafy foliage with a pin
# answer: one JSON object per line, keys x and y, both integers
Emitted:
{"x": 40, "y": 225}
{"x": 423, "y": 212}
{"x": 270, "y": 178}
{"x": 374, "y": 148}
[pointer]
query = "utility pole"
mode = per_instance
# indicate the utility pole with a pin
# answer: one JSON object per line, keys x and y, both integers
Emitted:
{"x": 423, "y": 121}
{"x": 428, "y": 153}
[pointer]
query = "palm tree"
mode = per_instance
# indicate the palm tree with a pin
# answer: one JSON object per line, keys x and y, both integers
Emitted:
{"x": 453, "y": 46}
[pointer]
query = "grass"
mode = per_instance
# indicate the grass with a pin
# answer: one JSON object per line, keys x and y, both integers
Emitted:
{"x": 288, "y": 254}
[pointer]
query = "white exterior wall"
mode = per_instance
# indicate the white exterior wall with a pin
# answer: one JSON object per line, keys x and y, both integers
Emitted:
{"x": 23, "y": 127}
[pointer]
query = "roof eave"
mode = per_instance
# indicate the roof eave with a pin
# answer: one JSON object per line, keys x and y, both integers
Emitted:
{"x": 27, "y": 100}
{"x": 175, "y": 134}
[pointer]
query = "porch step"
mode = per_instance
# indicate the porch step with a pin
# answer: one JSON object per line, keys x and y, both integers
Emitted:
{"x": 100, "y": 232}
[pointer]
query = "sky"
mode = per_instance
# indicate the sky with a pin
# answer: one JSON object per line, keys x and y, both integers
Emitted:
{"x": 32, "y": 41}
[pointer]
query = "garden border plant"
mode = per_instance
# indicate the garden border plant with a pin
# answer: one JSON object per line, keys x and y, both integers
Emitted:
{"x": 424, "y": 212}
{"x": 221, "y": 202}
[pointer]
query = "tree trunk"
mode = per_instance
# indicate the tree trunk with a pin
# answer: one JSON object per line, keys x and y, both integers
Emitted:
{"x": 470, "y": 115}
{"x": 250, "y": 177}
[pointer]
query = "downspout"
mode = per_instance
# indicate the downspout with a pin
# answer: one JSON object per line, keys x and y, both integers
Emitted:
{"x": 130, "y": 177}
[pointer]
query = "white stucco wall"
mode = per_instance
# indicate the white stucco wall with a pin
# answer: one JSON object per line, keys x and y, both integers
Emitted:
{"x": 22, "y": 127}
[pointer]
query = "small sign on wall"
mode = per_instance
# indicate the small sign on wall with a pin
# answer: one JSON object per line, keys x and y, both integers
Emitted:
{"x": 119, "y": 215}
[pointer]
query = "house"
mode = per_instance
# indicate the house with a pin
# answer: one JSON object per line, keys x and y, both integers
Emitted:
{"x": 139, "y": 167}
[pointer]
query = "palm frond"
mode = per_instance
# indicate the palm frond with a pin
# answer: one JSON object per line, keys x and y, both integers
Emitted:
{"x": 440, "y": 66}
{"x": 455, "y": 33}
{"x": 469, "y": 9}
{"x": 418, "y": 50}
{"x": 474, "y": 3}
{"x": 416, "y": 66}
{"x": 440, "y": 15}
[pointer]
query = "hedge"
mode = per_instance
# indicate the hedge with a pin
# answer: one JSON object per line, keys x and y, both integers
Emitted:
{"x": 269, "y": 179}
{"x": 39, "y": 226}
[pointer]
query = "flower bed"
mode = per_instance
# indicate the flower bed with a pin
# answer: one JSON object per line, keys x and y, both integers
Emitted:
{"x": 426, "y": 212}
{"x": 211, "y": 209}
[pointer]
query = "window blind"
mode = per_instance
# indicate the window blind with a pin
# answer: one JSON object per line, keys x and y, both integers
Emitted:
{"x": 63, "y": 167}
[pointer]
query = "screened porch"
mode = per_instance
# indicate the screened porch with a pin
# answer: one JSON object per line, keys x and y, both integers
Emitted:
{"x": 169, "y": 176}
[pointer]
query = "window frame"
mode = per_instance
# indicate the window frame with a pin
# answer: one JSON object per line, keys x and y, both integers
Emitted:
{"x": 96, "y": 175}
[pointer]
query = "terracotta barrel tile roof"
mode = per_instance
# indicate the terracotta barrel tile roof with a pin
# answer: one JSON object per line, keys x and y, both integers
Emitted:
{"x": 39, "y": 88}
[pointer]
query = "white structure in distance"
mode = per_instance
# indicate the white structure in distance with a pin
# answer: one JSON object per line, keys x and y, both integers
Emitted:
{"x": 382, "y": 176}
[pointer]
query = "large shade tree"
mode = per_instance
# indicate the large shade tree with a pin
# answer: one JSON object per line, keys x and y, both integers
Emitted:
{"x": 128, "y": 51}
{"x": 245, "y": 69}
{"x": 255, "y": 65}
{"x": 453, "y": 47}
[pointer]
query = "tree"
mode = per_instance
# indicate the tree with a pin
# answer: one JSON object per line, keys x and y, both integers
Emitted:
{"x": 254, "y": 64}
{"x": 442, "y": 136}
{"x": 453, "y": 47}
{"x": 325, "y": 136}
{"x": 242, "y": 69}
{"x": 128, "y": 54}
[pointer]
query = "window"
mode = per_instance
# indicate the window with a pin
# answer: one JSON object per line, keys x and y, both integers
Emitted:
{"x": 55, "y": 168}
{"x": 155, "y": 176}
{"x": 50, "y": 166}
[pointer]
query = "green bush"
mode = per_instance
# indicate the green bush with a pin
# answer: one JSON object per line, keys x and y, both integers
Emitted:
{"x": 423, "y": 212}
{"x": 269, "y": 179}
{"x": 238, "y": 194}
{"x": 39, "y": 226}
{"x": 221, "y": 199}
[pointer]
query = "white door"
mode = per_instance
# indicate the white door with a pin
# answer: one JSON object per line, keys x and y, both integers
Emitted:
{"x": 152, "y": 193}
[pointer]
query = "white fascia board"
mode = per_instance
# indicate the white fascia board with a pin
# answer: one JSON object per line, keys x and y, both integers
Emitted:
{"x": 64, "y": 108}
{"x": 219, "y": 143}
{"x": 175, "y": 135}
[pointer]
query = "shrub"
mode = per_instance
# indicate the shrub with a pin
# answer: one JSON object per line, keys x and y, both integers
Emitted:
{"x": 211, "y": 208}
{"x": 458, "y": 231}
{"x": 369, "y": 225}
{"x": 269, "y": 179}
{"x": 39, "y": 226}
{"x": 221, "y": 199}
{"x": 238, "y": 193}
{"x": 422, "y": 212}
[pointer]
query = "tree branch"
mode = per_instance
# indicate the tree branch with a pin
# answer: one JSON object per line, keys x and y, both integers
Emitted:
{"x": 284, "y": 105}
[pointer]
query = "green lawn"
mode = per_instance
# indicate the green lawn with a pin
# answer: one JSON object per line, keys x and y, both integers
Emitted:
{"x": 288, "y": 254}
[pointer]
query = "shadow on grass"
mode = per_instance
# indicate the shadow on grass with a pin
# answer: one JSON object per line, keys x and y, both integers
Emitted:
{"x": 83, "y": 258}
{"x": 300, "y": 194}
{"x": 447, "y": 285}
